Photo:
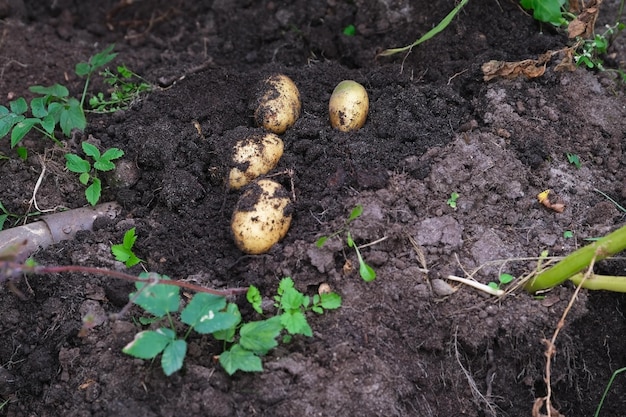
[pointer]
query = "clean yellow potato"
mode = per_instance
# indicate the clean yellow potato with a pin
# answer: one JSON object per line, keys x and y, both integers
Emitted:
{"x": 253, "y": 156}
{"x": 348, "y": 106}
{"x": 262, "y": 217}
{"x": 279, "y": 104}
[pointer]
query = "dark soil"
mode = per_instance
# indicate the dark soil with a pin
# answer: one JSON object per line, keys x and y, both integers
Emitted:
{"x": 399, "y": 346}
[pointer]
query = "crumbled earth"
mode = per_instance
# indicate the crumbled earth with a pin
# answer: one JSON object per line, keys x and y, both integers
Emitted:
{"x": 410, "y": 343}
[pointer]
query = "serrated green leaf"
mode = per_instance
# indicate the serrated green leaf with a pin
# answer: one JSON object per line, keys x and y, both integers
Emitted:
{"x": 112, "y": 154}
{"x": 121, "y": 253}
{"x": 149, "y": 343}
{"x": 19, "y": 106}
{"x": 330, "y": 301}
{"x": 75, "y": 163}
{"x": 228, "y": 334}
{"x": 157, "y": 299}
{"x": 240, "y": 359}
{"x": 56, "y": 90}
{"x": 291, "y": 299}
{"x": 204, "y": 315}
{"x": 254, "y": 298}
{"x": 285, "y": 283}
{"x": 129, "y": 238}
{"x": 356, "y": 212}
{"x": 90, "y": 150}
{"x": 295, "y": 322}
{"x": 102, "y": 58}
{"x": 93, "y": 192}
{"x": 104, "y": 165}
{"x": 173, "y": 356}
{"x": 21, "y": 129}
{"x": 260, "y": 336}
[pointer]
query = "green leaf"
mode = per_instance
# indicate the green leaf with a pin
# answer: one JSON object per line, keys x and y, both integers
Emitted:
{"x": 93, "y": 192}
{"x": 157, "y": 299}
{"x": 291, "y": 299}
{"x": 102, "y": 58}
{"x": 72, "y": 117}
{"x": 204, "y": 314}
{"x": 260, "y": 336}
{"x": 285, "y": 283}
{"x": 75, "y": 163}
{"x": 48, "y": 123}
{"x": 506, "y": 278}
{"x": 320, "y": 242}
{"x": 148, "y": 344}
{"x": 548, "y": 11}
{"x": 330, "y": 301}
{"x": 84, "y": 178}
{"x": 56, "y": 90}
{"x": 90, "y": 150}
{"x": 229, "y": 334}
{"x": 124, "y": 71}
{"x": 254, "y": 298}
{"x": 173, "y": 356}
{"x": 21, "y": 129}
{"x": 22, "y": 152}
{"x": 356, "y": 212}
{"x": 38, "y": 107}
{"x": 19, "y": 106}
{"x": 367, "y": 272}
{"x": 295, "y": 323}
{"x": 82, "y": 69}
{"x": 129, "y": 238}
{"x": 104, "y": 165}
{"x": 112, "y": 154}
{"x": 3, "y": 219}
{"x": 240, "y": 359}
{"x": 121, "y": 253}
{"x": 493, "y": 285}
{"x": 7, "y": 121}
{"x": 349, "y": 30}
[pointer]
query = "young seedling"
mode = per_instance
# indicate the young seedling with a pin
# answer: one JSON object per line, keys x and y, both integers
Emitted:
{"x": 366, "y": 272}
{"x": 88, "y": 173}
{"x": 125, "y": 90}
{"x": 5, "y": 215}
{"x": 452, "y": 200}
{"x": 548, "y": 11}
{"x": 212, "y": 314}
{"x": 573, "y": 159}
{"x": 52, "y": 108}
{"x": 124, "y": 252}
{"x": 503, "y": 279}
{"x": 257, "y": 338}
{"x": 568, "y": 234}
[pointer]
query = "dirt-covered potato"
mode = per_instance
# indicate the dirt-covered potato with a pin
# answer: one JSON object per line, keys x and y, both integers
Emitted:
{"x": 348, "y": 106}
{"x": 278, "y": 104}
{"x": 262, "y": 216}
{"x": 255, "y": 155}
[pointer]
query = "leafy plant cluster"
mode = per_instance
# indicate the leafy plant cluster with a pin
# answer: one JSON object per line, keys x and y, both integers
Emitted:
{"x": 587, "y": 52}
{"x": 213, "y": 314}
{"x": 366, "y": 272}
{"x": 123, "y": 252}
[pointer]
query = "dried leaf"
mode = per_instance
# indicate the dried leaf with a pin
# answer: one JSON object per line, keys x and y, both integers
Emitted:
{"x": 551, "y": 201}
{"x": 530, "y": 68}
{"x": 584, "y": 23}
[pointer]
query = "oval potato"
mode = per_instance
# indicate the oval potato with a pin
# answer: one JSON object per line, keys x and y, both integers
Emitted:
{"x": 348, "y": 106}
{"x": 253, "y": 156}
{"x": 262, "y": 217}
{"x": 278, "y": 104}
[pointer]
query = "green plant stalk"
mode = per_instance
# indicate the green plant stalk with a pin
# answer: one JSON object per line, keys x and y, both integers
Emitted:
{"x": 601, "y": 282}
{"x": 606, "y": 390}
{"x": 578, "y": 260}
{"x": 430, "y": 34}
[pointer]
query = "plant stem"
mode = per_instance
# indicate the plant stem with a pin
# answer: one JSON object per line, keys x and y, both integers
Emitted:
{"x": 478, "y": 285}
{"x": 579, "y": 260}
{"x": 601, "y": 282}
{"x": 10, "y": 269}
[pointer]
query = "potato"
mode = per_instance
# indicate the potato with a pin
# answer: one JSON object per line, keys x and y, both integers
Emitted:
{"x": 255, "y": 155}
{"x": 348, "y": 106}
{"x": 262, "y": 216}
{"x": 278, "y": 104}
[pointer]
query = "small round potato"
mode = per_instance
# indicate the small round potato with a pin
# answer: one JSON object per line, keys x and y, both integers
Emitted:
{"x": 348, "y": 106}
{"x": 262, "y": 216}
{"x": 255, "y": 155}
{"x": 278, "y": 104}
